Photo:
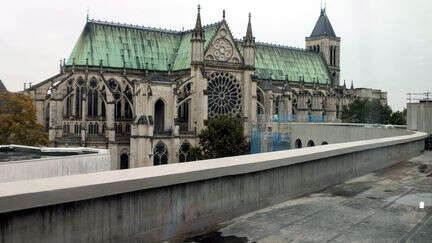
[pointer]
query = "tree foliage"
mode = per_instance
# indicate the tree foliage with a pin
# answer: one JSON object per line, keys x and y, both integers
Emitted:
{"x": 371, "y": 111}
{"x": 18, "y": 124}
{"x": 399, "y": 117}
{"x": 223, "y": 137}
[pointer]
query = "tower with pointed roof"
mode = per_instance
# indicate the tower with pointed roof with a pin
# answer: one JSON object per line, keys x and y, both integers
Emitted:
{"x": 324, "y": 41}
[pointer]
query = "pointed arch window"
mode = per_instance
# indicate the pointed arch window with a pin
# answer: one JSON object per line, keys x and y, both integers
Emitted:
{"x": 184, "y": 151}
{"x": 90, "y": 129}
{"x": 260, "y": 102}
{"x": 69, "y": 101}
{"x": 78, "y": 96}
{"x": 160, "y": 154}
{"x": 128, "y": 102}
{"x": 92, "y": 103}
{"x": 78, "y": 100}
{"x": 159, "y": 115}
{"x": 128, "y": 128}
{"x": 117, "y": 109}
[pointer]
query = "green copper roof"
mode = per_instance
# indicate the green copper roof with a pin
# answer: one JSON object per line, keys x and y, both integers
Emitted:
{"x": 133, "y": 47}
{"x": 136, "y": 47}
{"x": 287, "y": 63}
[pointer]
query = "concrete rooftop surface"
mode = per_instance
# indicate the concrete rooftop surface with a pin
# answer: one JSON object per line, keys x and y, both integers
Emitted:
{"x": 378, "y": 207}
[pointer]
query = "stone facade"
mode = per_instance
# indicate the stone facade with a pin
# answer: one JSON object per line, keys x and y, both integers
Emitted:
{"x": 148, "y": 110}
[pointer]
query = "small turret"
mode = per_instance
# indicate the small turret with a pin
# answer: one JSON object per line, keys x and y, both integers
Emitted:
{"x": 198, "y": 40}
{"x": 249, "y": 45}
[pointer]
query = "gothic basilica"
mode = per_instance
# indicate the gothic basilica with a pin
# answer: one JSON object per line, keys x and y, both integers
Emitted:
{"x": 145, "y": 93}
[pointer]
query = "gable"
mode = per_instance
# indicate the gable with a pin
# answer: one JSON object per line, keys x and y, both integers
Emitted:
{"x": 223, "y": 48}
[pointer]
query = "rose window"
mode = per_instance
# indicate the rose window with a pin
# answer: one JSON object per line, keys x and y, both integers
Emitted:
{"x": 224, "y": 95}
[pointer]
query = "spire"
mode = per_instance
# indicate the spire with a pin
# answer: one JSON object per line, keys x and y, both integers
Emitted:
{"x": 249, "y": 39}
{"x": 88, "y": 17}
{"x": 352, "y": 84}
{"x": 223, "y": 14}
{"x": 198, "y": 21}
{"x": 198, "y": 32}
{"x": 323, "y": 26}
{"x": 249, "y": 28}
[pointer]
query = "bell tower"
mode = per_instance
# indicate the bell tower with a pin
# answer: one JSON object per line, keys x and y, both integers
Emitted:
{"x": 324, "y": 40}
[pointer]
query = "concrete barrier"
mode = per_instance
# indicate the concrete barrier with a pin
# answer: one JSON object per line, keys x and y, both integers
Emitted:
{"x": 153, "y": 204}
{"x": 30, "y": 169}
{"x": 331, "y": 133}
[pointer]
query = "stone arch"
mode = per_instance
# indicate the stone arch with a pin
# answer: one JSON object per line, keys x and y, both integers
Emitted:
{"x": 298, "y": 143}
{"x": 324, "y": 143}
{"x": 310, "y": 143}
{"x": 113, "y": 85}
{"x": 184, "y": 151}
{"x": 159, "y": 116}
{"x": 160, "y": 154}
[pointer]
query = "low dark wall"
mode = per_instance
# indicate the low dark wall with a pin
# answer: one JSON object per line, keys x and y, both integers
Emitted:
{"x": 193, "y": 205}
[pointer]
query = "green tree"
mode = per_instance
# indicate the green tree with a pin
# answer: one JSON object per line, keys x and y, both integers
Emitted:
{"x": 223, "y": 137}
{"x": 366, "y": 111}
{"x": 18, "y": 124}
{"x": 398, "y": 117}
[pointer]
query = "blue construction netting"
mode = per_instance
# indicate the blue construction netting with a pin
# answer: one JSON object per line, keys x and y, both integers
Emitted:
{"x": 295, "y": 118}
{"x": 267, "y": 141}
{"x": 264, "y": 141}
{"x": 292, "y": 118}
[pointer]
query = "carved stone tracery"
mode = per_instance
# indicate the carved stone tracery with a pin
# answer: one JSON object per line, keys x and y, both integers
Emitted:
{"x": 224, "y": 95}
{"x": 222, "y": 50}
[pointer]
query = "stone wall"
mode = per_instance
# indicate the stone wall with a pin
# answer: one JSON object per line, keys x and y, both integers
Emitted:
{"x": 55, "y": 166}
{"x": 335, "y": 133}
{"x": 153, "y": 204}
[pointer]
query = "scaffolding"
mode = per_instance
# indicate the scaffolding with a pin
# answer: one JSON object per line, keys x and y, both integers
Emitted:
{"x": 267, "y": 136}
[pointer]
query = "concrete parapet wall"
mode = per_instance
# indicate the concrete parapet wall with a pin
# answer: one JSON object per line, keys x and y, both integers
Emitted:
{"x": 336, "y": 133}
{"x": 152, "y": 204}
{"x": 54, "y": 166}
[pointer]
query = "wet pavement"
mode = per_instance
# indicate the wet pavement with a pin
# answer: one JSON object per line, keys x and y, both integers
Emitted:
{"x": 378, "y": 207}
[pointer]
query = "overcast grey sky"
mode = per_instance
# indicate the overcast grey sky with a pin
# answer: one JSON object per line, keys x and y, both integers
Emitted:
{"x": 386, "y": 44}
